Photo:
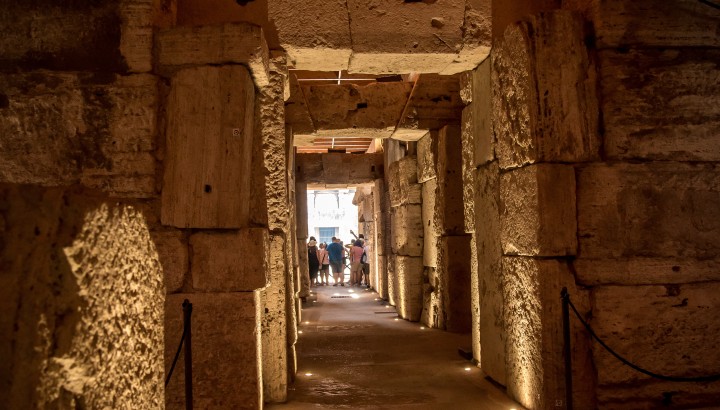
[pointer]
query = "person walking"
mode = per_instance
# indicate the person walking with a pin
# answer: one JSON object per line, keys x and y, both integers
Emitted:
{"x": 313, "y": 262}
{"x": 324, "y": 259}
{"x": 335, "y": 255}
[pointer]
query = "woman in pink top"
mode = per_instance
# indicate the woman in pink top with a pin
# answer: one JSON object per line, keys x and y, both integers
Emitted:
{"x": 324, "y": 259}
{"x": 356, "y": 253}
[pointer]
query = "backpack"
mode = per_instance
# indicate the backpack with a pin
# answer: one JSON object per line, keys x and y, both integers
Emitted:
{"x": 363, "y": 258}
{"x": 312, "y": 256}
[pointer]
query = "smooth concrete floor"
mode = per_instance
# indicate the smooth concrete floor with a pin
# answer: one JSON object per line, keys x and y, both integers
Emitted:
{"x": 354, "y": 352}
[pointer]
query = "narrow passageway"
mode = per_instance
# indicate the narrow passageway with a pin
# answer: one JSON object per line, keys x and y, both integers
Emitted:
{"x": 354, "y": 352}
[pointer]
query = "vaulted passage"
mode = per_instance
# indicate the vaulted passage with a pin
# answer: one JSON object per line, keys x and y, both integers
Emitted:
{"x": 500, "y": 152}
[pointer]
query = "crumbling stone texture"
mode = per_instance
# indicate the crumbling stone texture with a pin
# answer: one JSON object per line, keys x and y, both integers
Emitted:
{"x": 434, "y": 103}
{"x": 337, "y": 168}
{"x": 488, "y": 296}
{"x": 651, "y": 210}
{"x": 304, "y": 269}
{"x": 274, "y": 323}
{"x": 484, "y": 138}
{"x": 67, "y": 128}
{"x": 680, "y": 85}
{"x": 407, "y": 230}
{"x": 183, "y": 47}
{"x": 354, "y": 110}
{"x": 297, "y": 114}
{"x": 450, "y": 216}
{"x": 231, "y": 261}
{"x": 403, "y": 182}
{"x": 544, "y": 100}
{"x": 172, "y": 249}
{"x": 409, "y": 287}
{"x": 534, "y": 344}
{"x": 538, "y": 211}
{"x": 467, "y": 135}
{"x": 392, "y": 280}
{"x": 209, "y": 146}
{"x": 430, "y": 231}
{"x": 667, "y": 329}
{"x": 90, "y": 36}
{"x": 71, "y": 324}
{"x": 316, "y": 39}
{"x": 426, "y": 157}
{"x": 225, "y": 329}
{"x": 456, "y": 259}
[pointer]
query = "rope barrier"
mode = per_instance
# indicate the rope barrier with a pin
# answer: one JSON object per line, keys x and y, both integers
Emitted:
{"x": 177, "y": 356}
{"x": 710, "y": 378}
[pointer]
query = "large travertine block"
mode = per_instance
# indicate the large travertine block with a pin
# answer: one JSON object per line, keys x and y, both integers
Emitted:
{"x": 209, "y": 148}
{"x": 426, "y": 157}
{"x": 89, "y": 36}
{"x": 303, "y": 269}
{"x": 339, "y": 168}
{"x": 229, "y": 261}
{"x": 301, "y": 210}
{"x": 681, "y": 87}
{"x": 318, "y": 38}
{"x": 534, "y": 344}
{"x": 409, "y": 287}
{"x": 538, "y": 211}
{"x": 383, "y": 221}
{"x": 489, "y": 295}
{"x": 407, "y": 230}
{"x": 355, "y": 110}
{"x": 430, "y": 231}
{"x": 467, "y": 135}
{"x": 403, "y": 182}
{"x": 270, "y": 125}
{"x": 61, "y": 129}
{"x": 366, "y": 208}
{"x": 172, "y": 249}
{"x": 662, "y": 209}
{"x": 642, "y": 270}
{"x": 434, "y": 103}
{"x": 667, "y": 329}
{"x": 450, "y": 214}
{"x": 484, "y": 138}
{"x": 381, "y": 286}
{"x": 233, "y": 43}
{"x": 297, "y": 114}
{"x": 216, "y": 319}
{"x": 646, "y": 23}
{"x": 456, "y": 269}
{"x": 392, "y": 280}
{"x": 544, "y": 100}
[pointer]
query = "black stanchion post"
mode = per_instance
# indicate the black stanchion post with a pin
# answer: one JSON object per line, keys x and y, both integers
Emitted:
{"x": 566, "y": 349}
{"x": 187, "y": 312}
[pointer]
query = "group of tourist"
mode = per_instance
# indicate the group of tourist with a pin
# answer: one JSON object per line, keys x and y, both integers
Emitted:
{"x": 323, "y": 257}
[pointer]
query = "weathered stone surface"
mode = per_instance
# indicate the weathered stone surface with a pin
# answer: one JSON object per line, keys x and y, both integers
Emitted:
{"x": 430, "y": 232}
{"x": 229, "y": 261}
{"x": 209, "y": 147}
{"x": 409, "y": 287}
{"x": 661, "y": 104}
{"x": 272, "y": 300}
{"x": 645, "y": 271}
{"x": 467, "y": 135}
{"x": 270, "y": 124}
{"x": 61, "y": 129}
{"x": 426, "y": 157}
{"x": 484, "y": 138}
{"x": 318, "y": 38}
{"x": 666, "y": 329}
{"x": 392, "y": 280}
{"x": 403, "y": 182}
{"x": 304, "y": 274}
{"x": 488, "y": 296}
{"x": 92, "y": 36}
{"x": 542, "y": 111}
{"x": 297, "y": 113}
{"x": 663, "y": 209}
{"x": 450, "y": 216}
{"x": 456, "y": 280}
{"x": 339, "y": 168}
{"x": 216, "y": 319}
{"x": 407, "y": 230}
{"x": 301, "y": 210}
{"x": 233, "y": 43}
{"x": 534, "y": 347}
{"x": 350, "y": 109}
{"x": 434, "y": 103}
{"x": 71, "y": 324}
{"x": 538, "y": 214}
{"x": 466, "y": 87}
{"x": 649, "y": 24}
{"x": 172, "y": 250}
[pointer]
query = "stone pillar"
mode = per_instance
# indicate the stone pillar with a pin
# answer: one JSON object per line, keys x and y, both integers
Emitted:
{"x": 380, "y": 238}
{"x": 302, "y": 236}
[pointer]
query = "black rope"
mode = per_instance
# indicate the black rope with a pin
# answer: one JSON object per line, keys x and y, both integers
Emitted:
{"x": 177, "y": 355}
{"x": 711, "y": 4}
{"x": 711, "y": 378}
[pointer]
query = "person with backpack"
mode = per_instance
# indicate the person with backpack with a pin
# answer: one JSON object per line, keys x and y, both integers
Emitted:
{"x": 366, "y": 264}
{"x": 313, "y": 262}
{"x": 335, "y": 254}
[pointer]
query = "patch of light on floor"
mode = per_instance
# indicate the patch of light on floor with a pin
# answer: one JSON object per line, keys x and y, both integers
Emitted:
{"x": 355, "y": 296}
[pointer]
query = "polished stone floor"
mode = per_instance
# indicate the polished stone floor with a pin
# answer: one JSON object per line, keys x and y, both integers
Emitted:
{"x": 354, "y": 352}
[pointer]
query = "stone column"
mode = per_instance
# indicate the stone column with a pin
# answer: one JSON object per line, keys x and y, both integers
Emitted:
{"x": 302, "y": 236}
